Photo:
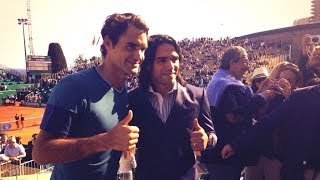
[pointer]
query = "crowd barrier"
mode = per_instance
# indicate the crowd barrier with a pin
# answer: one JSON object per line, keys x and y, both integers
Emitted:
{"x": 9, "y": 169}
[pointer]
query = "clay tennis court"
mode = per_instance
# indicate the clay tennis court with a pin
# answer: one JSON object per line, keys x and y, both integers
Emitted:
{"x": 33, "y": 116}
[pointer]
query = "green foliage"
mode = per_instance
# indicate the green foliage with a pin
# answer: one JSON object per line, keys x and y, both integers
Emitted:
{"x": 80, "y": 60}
{"x": 57, "y": 57}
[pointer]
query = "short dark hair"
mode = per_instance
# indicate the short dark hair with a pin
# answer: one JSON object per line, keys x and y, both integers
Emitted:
{"x": 116, "y": 24}
{"x": 233, "y": 54}
{"x": 146, "y": 66}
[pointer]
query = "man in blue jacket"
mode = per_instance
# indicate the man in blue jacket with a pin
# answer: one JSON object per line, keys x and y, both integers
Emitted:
{"x": 233, "y": 106}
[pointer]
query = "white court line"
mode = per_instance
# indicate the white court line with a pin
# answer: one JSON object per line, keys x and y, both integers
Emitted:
{"x": 12, "y": 121}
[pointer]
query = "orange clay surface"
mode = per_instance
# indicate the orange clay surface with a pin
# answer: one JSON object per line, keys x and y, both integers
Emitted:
{"x": 32, "y": 115}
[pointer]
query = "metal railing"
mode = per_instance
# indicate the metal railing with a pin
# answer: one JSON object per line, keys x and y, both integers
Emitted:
{"x": 19, "y": 169}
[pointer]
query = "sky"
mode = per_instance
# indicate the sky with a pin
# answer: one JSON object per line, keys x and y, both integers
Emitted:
{"x": 74, "y": 23}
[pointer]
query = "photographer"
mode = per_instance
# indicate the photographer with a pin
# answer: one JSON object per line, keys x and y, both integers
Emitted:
{"x": 309, "y": 62}
{"x": 284, "y": 78}
{"x": 303, "y": 129}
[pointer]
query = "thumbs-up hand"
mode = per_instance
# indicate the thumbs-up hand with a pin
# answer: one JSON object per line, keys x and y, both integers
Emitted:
{"x": 123, "y": 137}
{"x": 198, "y": 137}
{"x": 126, "y": 120}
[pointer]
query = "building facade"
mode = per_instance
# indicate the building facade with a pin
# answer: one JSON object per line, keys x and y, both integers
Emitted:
{"x": 315, "y": 11}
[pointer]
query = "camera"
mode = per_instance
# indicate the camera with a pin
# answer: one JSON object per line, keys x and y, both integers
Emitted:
{"x": 273, "y": 84}
{"x": 315, "y": 39}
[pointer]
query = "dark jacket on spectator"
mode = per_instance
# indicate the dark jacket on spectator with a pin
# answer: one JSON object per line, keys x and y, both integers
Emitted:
{"x": 308, "y": 73}
{"x": 240, "y": 101}
{"x": 301, "y": 110}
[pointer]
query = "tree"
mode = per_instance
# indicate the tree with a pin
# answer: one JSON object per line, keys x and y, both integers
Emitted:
{"x": 95, "y": 60}
{"x": 80, "y": 60}
{"x": 80, "y": 63}
{"x": 57, "y": 57}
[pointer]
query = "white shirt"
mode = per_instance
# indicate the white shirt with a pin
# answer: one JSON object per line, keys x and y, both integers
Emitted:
{"x": 17, "y": 150}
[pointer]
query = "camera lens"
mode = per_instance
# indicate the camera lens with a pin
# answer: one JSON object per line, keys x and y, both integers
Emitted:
{"x": 315, "y": 39}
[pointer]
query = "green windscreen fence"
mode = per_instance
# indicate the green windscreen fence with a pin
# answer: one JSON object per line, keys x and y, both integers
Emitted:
{"x": 4, "y": 94}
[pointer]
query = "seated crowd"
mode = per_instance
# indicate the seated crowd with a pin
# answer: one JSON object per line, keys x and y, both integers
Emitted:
{"x": 201, "y": 56}
{"x": 12, "y": 149}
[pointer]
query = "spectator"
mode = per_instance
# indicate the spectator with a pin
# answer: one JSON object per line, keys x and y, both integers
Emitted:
{"x": 258, "y": 75}
{"x": 4, "y": 142}
{"x": 233, "y": 106}
{"x": 302, "y": 132}
{"x": 29, "y": 147}
{"x": 13, "y": 151}
{"x": 284, "y": 78}
{"x": 34, "y": 137}
{"x": 309, "y": 62}
{"x": 18, "y": 140}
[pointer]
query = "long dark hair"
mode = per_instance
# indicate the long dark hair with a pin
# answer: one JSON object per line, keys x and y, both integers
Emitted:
{"x": 146, "y": 67}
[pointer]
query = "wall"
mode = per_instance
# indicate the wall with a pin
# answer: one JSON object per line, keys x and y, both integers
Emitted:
{"x": 289, "y": 35}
